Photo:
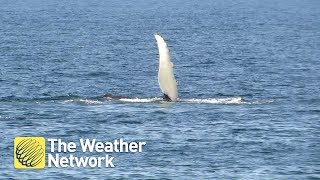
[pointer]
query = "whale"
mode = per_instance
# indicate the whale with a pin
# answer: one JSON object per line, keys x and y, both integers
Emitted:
{"x": 166, "y": 79}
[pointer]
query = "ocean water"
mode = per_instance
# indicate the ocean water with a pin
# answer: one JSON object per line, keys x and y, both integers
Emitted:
{"x": 248, "y": 81}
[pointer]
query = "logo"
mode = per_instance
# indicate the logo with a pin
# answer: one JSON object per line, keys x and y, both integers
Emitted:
{"x": 29, "y": 152}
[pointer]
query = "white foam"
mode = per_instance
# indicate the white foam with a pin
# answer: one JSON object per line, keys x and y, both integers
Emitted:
{"x": 231, "y": 100}
{"x": 234, "y": 100}
{"x": 84, "y": 101}
{"x": 140, "y": 100}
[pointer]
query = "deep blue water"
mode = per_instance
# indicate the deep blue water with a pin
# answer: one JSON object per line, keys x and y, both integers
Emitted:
{"x": 248, "y": 79}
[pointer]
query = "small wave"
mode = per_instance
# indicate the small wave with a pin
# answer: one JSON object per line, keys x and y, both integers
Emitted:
{"x": 12, "y": 117}
{"x": 4, "y": 117}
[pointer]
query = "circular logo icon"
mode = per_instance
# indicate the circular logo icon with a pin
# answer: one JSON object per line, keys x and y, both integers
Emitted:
{"x": 29, "y": 152}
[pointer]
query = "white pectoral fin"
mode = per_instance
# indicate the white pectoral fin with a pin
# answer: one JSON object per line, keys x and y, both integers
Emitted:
{"x": 167, "y": 82}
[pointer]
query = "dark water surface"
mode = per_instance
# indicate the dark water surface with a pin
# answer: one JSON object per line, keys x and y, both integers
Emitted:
{"x": 247, "y": 72}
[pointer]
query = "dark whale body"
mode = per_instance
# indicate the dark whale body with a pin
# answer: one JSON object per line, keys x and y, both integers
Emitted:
{"x": 166, "y": 97}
